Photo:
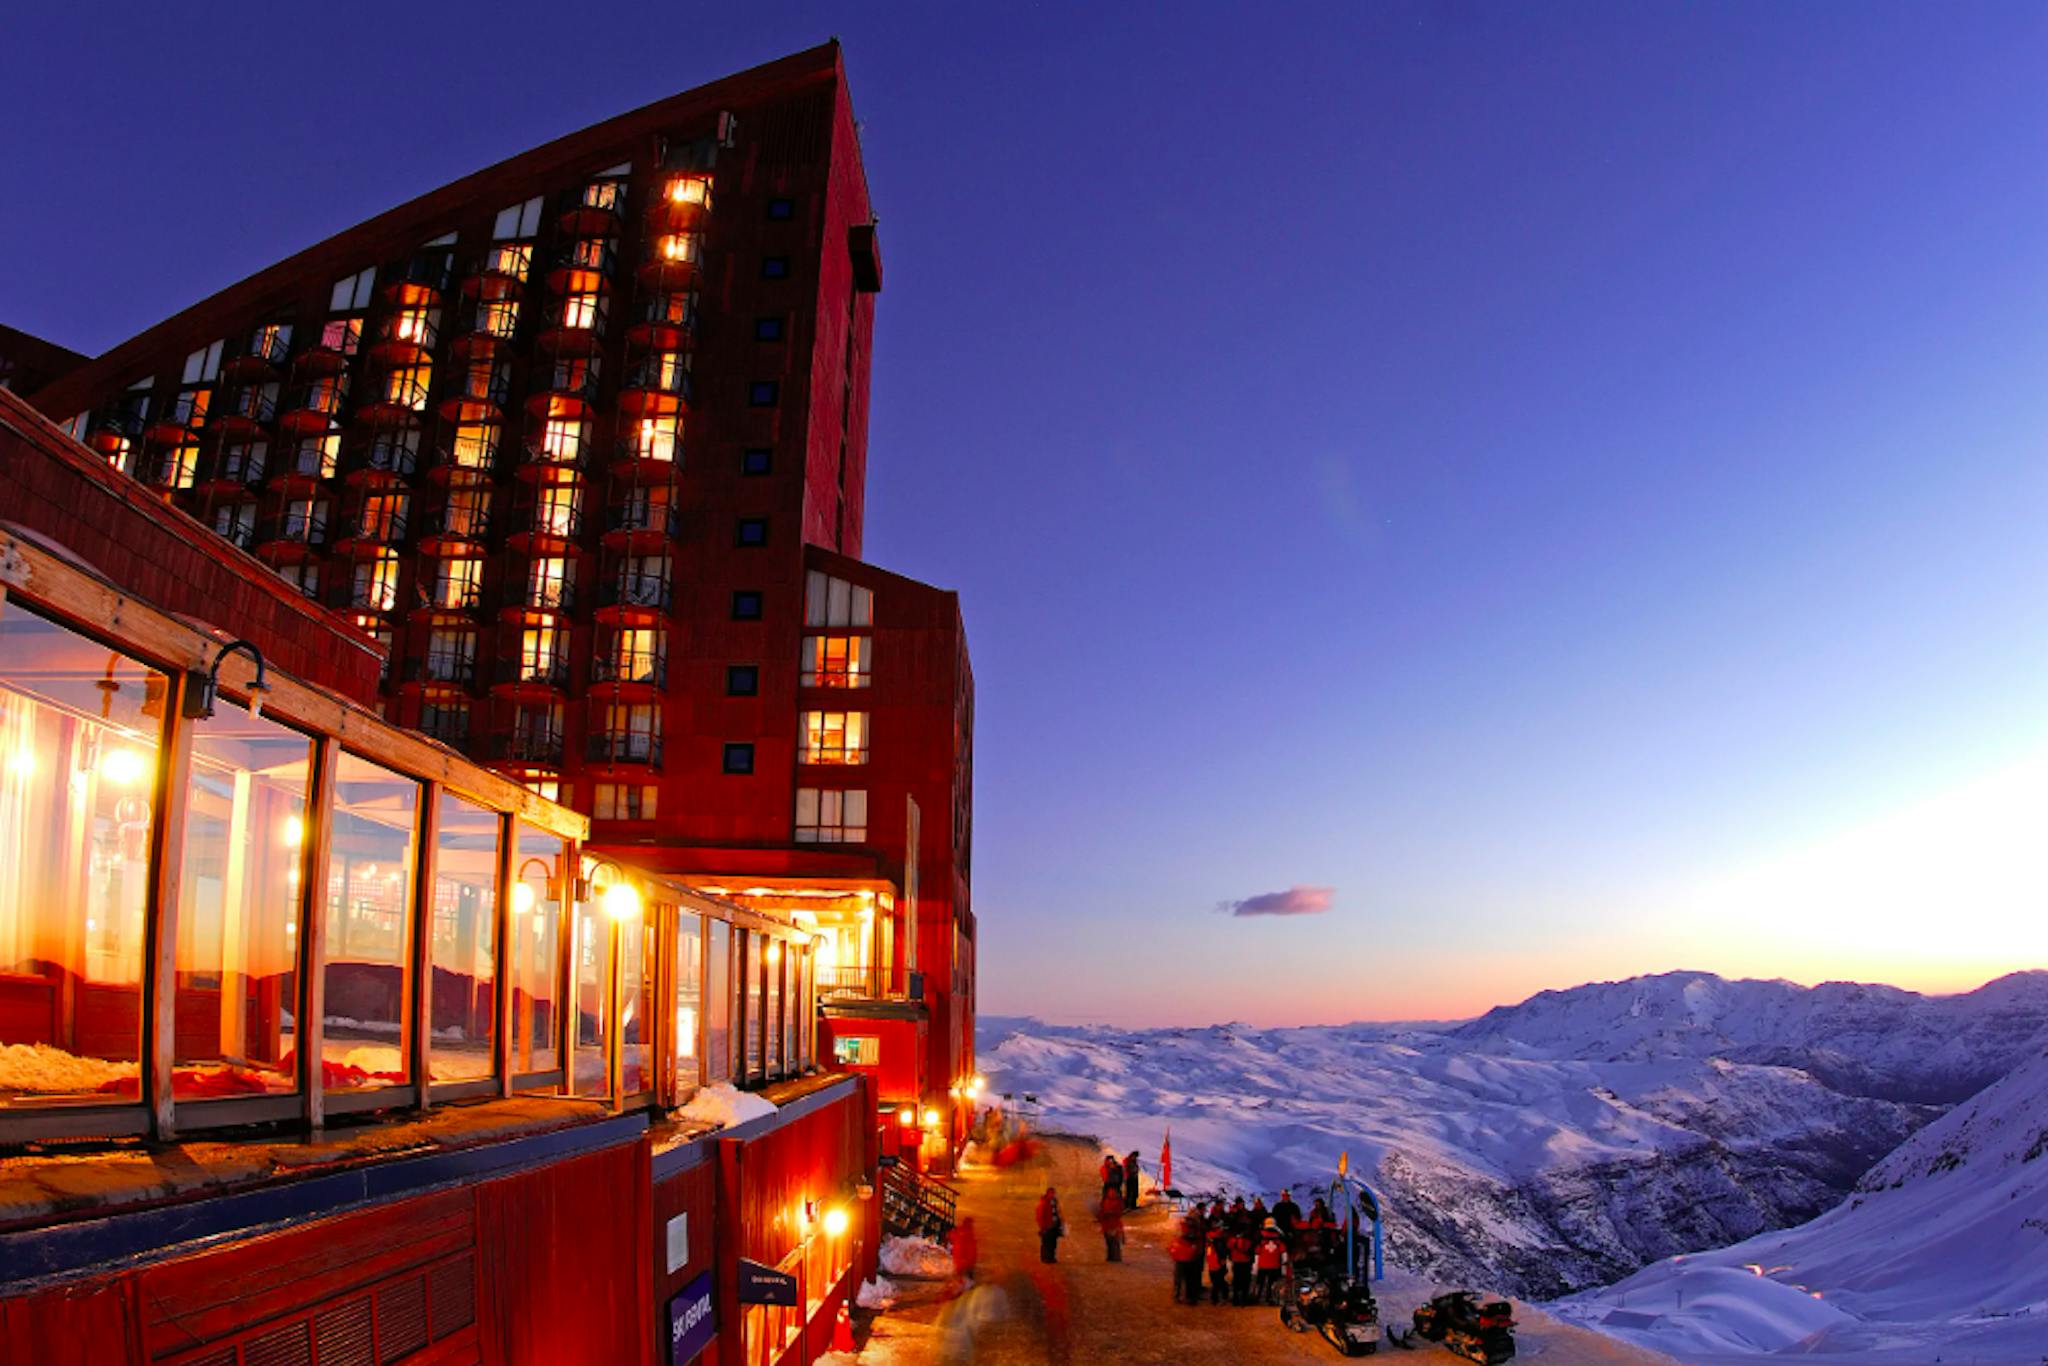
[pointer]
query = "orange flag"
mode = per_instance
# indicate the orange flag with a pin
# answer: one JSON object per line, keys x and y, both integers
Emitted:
{"x": 1166, "y": 1160}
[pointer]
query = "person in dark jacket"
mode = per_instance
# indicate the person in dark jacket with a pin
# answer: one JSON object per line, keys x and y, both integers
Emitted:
{"x": 1050, "y": 1226}
{"x": 1287, "y": 1214}
{"x": 1240, "y": 1218}
{"x": 1112, "y": 1175}
{"x": 1259, "y": 1214}
{"x": 1242, "y": 1246}
{"x": 1131, "y": 1181}
{"x": 1268, "y": 1258}
{"x": 1218, "y": 1262}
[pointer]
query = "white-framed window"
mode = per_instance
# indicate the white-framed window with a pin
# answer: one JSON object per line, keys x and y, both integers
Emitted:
{"x": 625, "y": 802}
{"x": 837, "y": 662}
{"x": 518, "y": 220}
{"x": 831, "y": 815}
{"x": 203, "y": 365}
{"x": 833, "y": 737}
{"x": 351, "y": 293}
{"x": 835, "y": 602}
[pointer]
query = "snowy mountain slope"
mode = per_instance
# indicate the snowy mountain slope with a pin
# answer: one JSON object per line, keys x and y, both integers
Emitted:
{"x": 1862, "y": 1040}
{"x": 1549, "y": 1146}
{"x": 1941, "y": 1251}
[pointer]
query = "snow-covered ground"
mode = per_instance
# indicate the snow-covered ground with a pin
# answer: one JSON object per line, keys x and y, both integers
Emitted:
{"x": 1941, "y": 1253}
{"x": 1555, "y": 1145}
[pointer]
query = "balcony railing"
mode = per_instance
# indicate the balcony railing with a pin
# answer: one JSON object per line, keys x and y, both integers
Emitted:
{"x": 385, "y": 528}
{"x": 580, "y": 312}
{"x": 664, "y": 374}
{"x": 634, "y": 590}
{"x": 651, "y": 670}
{"x": 862, "y": 984}
{"x": 636, "y": 515}
{"x": 426, "y": 271}
{"x": 544, "y": 673}
{"x": 389, "y": 455}
{"x": 241, "y": 464}
{"x": 453, "y": 595}
{"x": 441, "y": 667}
{"x": 294, "y": 529}
{"x": 525, "y": 747}
{"x": 255, "y": 403}
{"x": 598, "y": 254}
{"x": 548, "y": 519}
{"x": 548, "y": 595}
{"x": 624, "y": 747}
{"x": 458, "y": 521}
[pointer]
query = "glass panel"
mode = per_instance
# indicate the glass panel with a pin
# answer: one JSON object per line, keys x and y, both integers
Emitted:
{"x": 79, "y": 730}
{"x": 592, "y": 1004}
{"x": 718, "y": 1003}
{"x": 534, "y": 954}
{"x": 792, "y": 1008}
{"x": 465, "y": 941}
{"x": 634, "y": 1074}
{"x": 756, "y": 1062}
{"x": 689, "y": 971}
{"x": 238, "y": 908}
{"x": 369, "y": 925}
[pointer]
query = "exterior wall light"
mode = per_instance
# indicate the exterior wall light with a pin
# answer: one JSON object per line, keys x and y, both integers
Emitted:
{"x": 202, "y": 686}
{"x": 835, "y": 1221}
{"x": 931, "y": 1119}
{"x": 906, "y": 1116}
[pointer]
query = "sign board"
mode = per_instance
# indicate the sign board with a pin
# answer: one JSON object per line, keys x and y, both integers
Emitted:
{"x": 765, "y": 1285}
{"x": 678, "y": 1243}
{"x": 692, "y": 1321}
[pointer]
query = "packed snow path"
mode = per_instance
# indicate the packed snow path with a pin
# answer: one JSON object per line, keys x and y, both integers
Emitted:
{"x": 1084, "y": 1309}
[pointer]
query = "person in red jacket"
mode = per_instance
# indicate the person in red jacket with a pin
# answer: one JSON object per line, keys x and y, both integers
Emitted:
{"x": 1186, "y": 1251}
{"x": 1111, "y": 1216}
{"x": 1268, "y": 1258}
{"x": 1218, "y": 1262}
{"x": 966, "y": 1249}
{"x": 1050, "y": 1226}
{"x": 1242, "y": 1246}
{"x": 1112, "y": 1174}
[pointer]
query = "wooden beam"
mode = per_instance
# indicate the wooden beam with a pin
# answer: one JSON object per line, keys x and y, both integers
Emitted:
{"x": 319, "y": 846}
{"x": 420, "y": 971}
{"x": 160, "y": 914}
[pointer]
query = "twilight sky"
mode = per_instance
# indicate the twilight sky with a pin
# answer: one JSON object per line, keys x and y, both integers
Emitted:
{"x": 1451, "y": 499}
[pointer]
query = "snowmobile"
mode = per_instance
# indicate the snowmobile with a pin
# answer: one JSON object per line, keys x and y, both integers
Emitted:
{"x": 1339, "y": 1307}
{"x": 1484, "y": 1333}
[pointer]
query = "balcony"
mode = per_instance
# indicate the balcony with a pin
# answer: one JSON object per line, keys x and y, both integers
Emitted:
{"x": 269, "y": 348}
{"x": 367, "y": 594}
{"x": 368, "y": 530}
{"x": 525, "y": 747}
{"x": 479, "y": 393}
{"x": 115, "y": 430}
{"x": 665, "y": 321}
{"x": 575, "y": 323}
{"x": 656, "y": 385}
{"x": 466, "y": 523}
{"x": 315, "y": 406}
{"x": 486, "y": 324}
{"x": 536, "y": 598}
{"x": 683, "y": 202}
{"x": 624, "y": 747}
{"x": 450, "y": 597}
{"x": 628, "y": 671}
{"x": 550, "y": 522}
{"x": 407, "y": 335}
{"x": 182, "y": 416}
{"x": 291, "y": 537}
{"x": 397, "y": 397}
{"x": 568, "y": 388}
{"x": 421, "y": 280}
{"x": 554, "y": 452}
{"x": 250, "y": 408}
{"x": 862, "y": 983}
{"x": 593, "y": 211}
{"x": 305, "y": 462}
{"x": 389, "y": 457}
{"x": 446, "y": 667}
{"x": 551, "y": 674}
{"x": 635, "y": 517}
{"x": 674, "y": 261}
{"x": 583, "y": 265}
{"x": 331, "y": 351}
{"x": 239, "y": 466}
{"x": 633, "y": 594}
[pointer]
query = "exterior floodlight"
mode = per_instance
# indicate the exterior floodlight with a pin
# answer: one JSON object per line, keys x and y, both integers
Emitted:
{"x": 906, "y": 1116}
{"x": 835, "y": 1221}
{"x": 931, "y": 1119}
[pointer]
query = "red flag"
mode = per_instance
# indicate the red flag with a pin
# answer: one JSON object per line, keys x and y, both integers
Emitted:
{"x": 1166, "y": 1160}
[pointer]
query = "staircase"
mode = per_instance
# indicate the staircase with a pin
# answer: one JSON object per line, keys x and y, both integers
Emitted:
{"x": 914, "y": 1205}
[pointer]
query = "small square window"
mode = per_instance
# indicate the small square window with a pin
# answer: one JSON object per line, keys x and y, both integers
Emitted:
{"x": 751, "y": 531}
{"x": 742, "y": 680}
{"x": 739, "y": 758}
{"x": 768, "y": 329}
{"x": 781, "y": 210}
{"x": 755, "y": 462}
{"x": 746, "y": 605}
{"x": 775, "y": 267}
{"x": 763, "y": 393}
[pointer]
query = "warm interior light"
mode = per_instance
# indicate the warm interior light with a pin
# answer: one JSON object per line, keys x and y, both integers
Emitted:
{"x": 622, "y": 901}
{"x": 123, "y": 766}
{"x": 522, "y": 898}
{"x": 906, "y": 1116}
{"x": 931, "y": 1119}
{"x": 828, "y": 953}
{"x": 835, "y": 1221}
{"x": 22, "y": 763}
{"x": 686, "y": 190}
{"x": 294, "y": 832}
{"x": 774, "y": 954}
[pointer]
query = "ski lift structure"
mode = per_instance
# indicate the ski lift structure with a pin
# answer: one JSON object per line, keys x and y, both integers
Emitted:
{"x": 1359, "y": 1200}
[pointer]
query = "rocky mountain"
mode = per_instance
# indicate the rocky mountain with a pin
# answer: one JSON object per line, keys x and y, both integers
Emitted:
{"x": 1554, "y": 1145}
{"x": 1860, "y": 1040}
{"x": 1940, "y": 1252}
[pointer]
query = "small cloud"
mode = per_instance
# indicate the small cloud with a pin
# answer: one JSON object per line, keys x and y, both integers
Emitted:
{"x": 1293, "y": 901}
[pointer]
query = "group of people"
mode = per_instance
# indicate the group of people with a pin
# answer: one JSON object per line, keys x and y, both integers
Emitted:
{"x": 1245, "y": 1249}
{"x": 1119, "y": 1193}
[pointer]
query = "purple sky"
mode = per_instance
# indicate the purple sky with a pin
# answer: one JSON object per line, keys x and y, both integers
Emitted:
{"x": 1566, "y": 480}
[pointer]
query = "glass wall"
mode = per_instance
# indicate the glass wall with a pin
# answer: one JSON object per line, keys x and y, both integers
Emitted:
{"x": 718, "y": 1002}
{"x": 370, "y": 875}
{"x": 635, "y": 1075}
{"x": 533, "y": 954}
{"x": 80, "y": 728}
{"x": 756, "y": 1060}
{"x": 689, "y": 978}
{"x": 464, "y": 945}
{"x": 238, "y": 908}
{"x": 593, "y": 1002}
{"x": 792, "y": 1007}
{"x": 771, "y": 1006}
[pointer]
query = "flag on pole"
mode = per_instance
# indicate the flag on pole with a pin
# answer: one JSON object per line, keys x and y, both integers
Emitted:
{"x": 1166, "y": 1160}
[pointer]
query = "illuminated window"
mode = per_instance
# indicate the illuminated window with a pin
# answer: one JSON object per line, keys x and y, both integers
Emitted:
{"x": 369, "y": 898}
{"x": 189, "y": 407}
{"x": 467, "y": 514}
{"x": 677, "y": 248}
{"x": 458, "y": 583}
{"x": 718, "y": 993}
{"x": 497, "y": 317}
{"x": 415, "y": 324}
{"x": 463, "y": 942}
{"x": 561, "y": 438}
{"x": 831, "y": 816}
{"x": 609, "y": 195}
{"x": 635, "y": 1076}
{"x": 837, "y": 662}
{"x": 376, "y": 583}
{"x": 315, "y": 457}
{"x": 624, "y": 801}
{"x": 384, "y": 516}
{"x": 835, "y": 602}
{"x": 555, "y": 512}
{"x": 635, "y": 655}
{"x": 548, "y": 583}
{"x": 632, "y": 731}
{"x": 658, "y": 438}
{"x": 407, "y": 386}
{"x": 833, "y": 737}
{"x": 589, "y": 253}
{"x": 592, "y": 1004}
{"x": 541, "y": 658}
{"x": 476, "y": 445}
{"x": 689, "y": 189}
{"x": 120, "y": 453}
{"x": 859, "y": 1052}
{"x": 80, "y": 726}
{"x": 581, "y": 310}
{"x": 537, "y": 730}
{"x": 271, "y": 342}
{"x": 533, "y": 950}
{"x": 344, "y": 335}
{"x": 178, "y": 467}
{"x": 688, "y": 974}
{"x": 305, "y": 519}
